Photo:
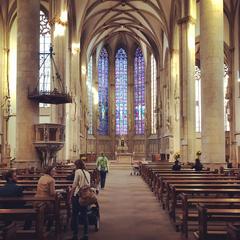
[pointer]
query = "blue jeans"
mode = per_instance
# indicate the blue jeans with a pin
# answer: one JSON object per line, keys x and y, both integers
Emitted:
{"x": 76, "y": 208}
{"x": 103, "y": 175}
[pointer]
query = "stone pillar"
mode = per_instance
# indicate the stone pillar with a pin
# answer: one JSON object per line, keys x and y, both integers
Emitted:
{"x": 27, "y": 113}
{"x": 174, "y": 138}
{"x": 112, "y": 119}
{"x": 131, "y": 117}
{"x": 187, "y": 83}
{"x": 212, "y": 57}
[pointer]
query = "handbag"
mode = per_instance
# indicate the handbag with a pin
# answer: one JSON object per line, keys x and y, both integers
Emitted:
{"x": 86, "y": 195}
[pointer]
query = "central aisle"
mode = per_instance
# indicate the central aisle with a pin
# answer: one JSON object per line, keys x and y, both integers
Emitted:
{"x": 130, "y": 211}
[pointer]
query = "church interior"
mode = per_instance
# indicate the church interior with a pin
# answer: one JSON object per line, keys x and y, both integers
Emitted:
{"x": 152, "y": 86}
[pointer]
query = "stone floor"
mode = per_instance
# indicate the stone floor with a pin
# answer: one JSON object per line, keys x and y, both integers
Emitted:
{"x": 130, "y": 211}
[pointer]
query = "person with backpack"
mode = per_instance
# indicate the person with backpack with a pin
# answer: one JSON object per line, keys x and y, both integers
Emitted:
{"x": 103, "y": 168}
{"x": 81, "y": 179}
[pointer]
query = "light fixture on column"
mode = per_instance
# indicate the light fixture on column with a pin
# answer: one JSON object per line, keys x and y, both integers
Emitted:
{"x": 95, "y": 96}
{"x": 75, "y": 48}
{"x": 84, "y": 70}
{"x": 60, "y": 23}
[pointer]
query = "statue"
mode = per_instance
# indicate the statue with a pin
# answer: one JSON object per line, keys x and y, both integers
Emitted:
{"x": 122, "y": 145}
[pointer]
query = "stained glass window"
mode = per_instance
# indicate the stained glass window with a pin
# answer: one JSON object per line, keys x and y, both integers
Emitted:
{"x": 45, "y": 41}
{"x": 153, "y": 95}
{"x": 139, "y": 91}
{"x": 198, "y": 98}
{"x": 103, "y": 92}
{"x": 121, "y": 92}
{"x": 226, "y": 99}
{"x": 90, "y": 97}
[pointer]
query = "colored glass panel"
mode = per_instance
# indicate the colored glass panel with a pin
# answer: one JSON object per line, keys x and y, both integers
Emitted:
{"x": 226, "y": 99}
{"x": 139, "y": 92}
{"x": 121, "y": 92}
{"x": 153, "y": 95}
{"x": 90, "y": 97}
{"x": 45, "y": 41}
{"x": 103, "y": 92}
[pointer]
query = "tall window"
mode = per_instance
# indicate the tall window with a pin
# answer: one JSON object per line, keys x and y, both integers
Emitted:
{"x": 198, "y": 98}
{"x": 139, "y": 91}
{"x": 90, "y": 97}
{"x": 153, "y": 95}
{"x": 121, "y": 92}
{"x": 103, "y": 92}
{"x": 45, "y": 41}
{"x": 226, "y": 99}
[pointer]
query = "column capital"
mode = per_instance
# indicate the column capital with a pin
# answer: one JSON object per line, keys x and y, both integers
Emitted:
{"x": 187, "y": 19}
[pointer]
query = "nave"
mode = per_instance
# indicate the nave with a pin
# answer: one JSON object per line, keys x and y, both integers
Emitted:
{"x": 129, "y": 210}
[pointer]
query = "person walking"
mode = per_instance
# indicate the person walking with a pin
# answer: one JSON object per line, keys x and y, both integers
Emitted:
{"x": 103, "y": 167}
{"x": 81, "y": 178}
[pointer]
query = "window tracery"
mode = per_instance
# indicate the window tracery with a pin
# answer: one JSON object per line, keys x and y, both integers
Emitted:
{"x": 139, "y": 92}
{"x": 121, "y": 82}
{"x": 153, "y": 95}
{"x": 103, "y": 94}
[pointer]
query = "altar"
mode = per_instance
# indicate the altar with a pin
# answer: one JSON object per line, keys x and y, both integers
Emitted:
{"x": 122, "y": 154}
{"x": 124, "y": 157}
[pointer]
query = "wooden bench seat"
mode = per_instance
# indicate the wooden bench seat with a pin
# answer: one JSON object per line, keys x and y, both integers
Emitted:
{"x": 212, "y": 235}
{"x": 160, "y": 179}
{"x": 207, "y": 215}
{"x": 31, "y": 199}
{"x": 233, "y": 231}
{"x": 188, "y": 214}
{"x": 204, "y": 180}
{"x": 175, "y": 192}
{"x": 35, "y": 214}
{"x": 9, "y": 232}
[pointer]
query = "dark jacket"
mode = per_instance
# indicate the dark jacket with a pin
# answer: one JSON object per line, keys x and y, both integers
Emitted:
{"x": 176, "y": 167}
{"x": 198, "y": 166}
{"x": 11, "y": 189}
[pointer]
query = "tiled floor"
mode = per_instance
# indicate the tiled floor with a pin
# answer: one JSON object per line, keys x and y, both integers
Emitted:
{"x": 130, "y": 211}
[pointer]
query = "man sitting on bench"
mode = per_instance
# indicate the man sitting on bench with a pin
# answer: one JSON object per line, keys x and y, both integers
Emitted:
{"x": 10, "y": 189}
{"x": 198, "y": 165}
{"x": 176, "y": 166}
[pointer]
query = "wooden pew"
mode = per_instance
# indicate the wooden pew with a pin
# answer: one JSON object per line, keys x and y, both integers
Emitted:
{"x": 186, "y": 215}
{"x": 155, "y": 174}
{"x": 9, "y": 232}
{"x": 211, "y": 179}
{"x": 35, "y": 214}
{"x": 207, "y": 215}
{"x": 31, "y": 199}
{"x": 233, "y": 231}
{"x": 175, "y": 192}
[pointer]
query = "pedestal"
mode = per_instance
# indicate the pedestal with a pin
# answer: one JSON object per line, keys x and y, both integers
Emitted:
{"x": 124, "y": 158}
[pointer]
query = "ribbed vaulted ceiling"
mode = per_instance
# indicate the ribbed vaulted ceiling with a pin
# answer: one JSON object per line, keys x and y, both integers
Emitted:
{"x": 142, "y": 20}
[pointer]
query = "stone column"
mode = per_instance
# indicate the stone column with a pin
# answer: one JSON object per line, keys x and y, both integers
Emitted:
{"x": 187, "y": 83}
{"x": 131, "y": 117}
{"x": 27, "y": 113}
{"x": 174, "y": 138}
{"x": 212, "y": 57}
{"x": 111, "y": 102}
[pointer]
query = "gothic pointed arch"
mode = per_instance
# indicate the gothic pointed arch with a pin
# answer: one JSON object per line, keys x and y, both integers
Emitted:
{"x": 121, "y": 89}
{"x": 103, "y": 92}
